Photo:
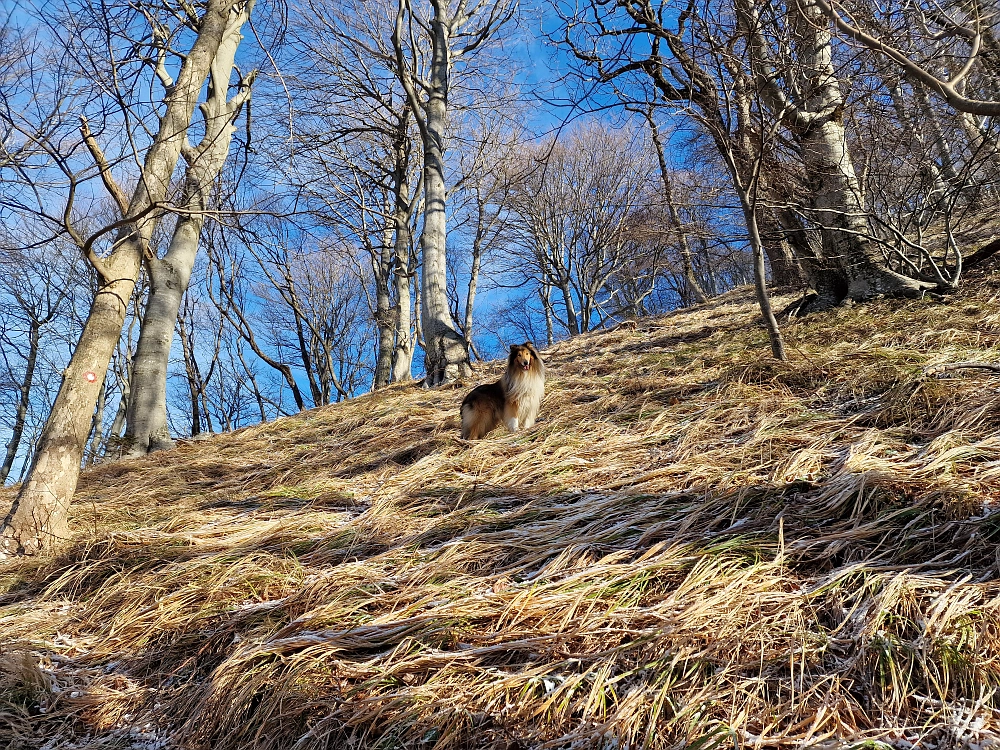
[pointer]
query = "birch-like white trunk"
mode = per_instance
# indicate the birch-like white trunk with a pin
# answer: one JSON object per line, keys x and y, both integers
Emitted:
{"x": 39, "y": 517}
{"x": 445, "y": 357}
{"x": 146, "y": 426}
{"x": 854, "y": 268}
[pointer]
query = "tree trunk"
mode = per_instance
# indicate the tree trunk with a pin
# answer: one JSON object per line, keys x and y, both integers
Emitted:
{"x": 384, "y": 323}
{"x": 39, "y": 518}
{"x": 470, "y": 299}
{"x": 785, "y": 269}
{"x": 195, "y": 385}
{"x": 23, "y": 401}
{"x": 805, "y": 243}
{"x": 928, "y": 166}
{"x": 981, "y": 141}
{"x": 572, "y": 321}
{"x": 402, "y": 215}
{"x": 760, "y": 281}
{"x": 546, "y": 296}
{"x": 118, "y": 425}
{"x": 851, "y": 267}
{"x": 445, "y": 357}
{"x": 403, "y": 355}
{"x": 97, "y": 428}
{"x": 309, "y": 363}
{"x": 146, "y": 427}
{"x": 941, "y": 145}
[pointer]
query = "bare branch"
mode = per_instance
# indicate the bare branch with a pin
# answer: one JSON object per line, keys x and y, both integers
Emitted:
{"x": 121, "y": 199}
{"x": 946, "y": 89}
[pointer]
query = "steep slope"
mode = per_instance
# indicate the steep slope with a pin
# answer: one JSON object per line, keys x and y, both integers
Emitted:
{"x": 695, "y": 546}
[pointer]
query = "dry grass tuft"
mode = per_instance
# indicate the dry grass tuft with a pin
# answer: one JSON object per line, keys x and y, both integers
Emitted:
{"x": 696, "y": 546}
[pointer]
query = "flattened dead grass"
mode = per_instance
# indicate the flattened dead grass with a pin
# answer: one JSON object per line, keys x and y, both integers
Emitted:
{"x": 695, "y": 547}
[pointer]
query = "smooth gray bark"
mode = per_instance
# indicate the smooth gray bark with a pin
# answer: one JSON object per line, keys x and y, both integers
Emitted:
{"x": 146, "y": 427}
{"x": 445, "y": 355}
{"x": 395, "y": 347}
{"x": 402, "y": 364}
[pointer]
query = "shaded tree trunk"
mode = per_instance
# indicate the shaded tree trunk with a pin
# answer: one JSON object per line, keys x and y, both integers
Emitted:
{"x": 23, "y": 401}
{"x": 384, "y": 314}
{"x": 785, "y": 268}
{"x": 97, "y": 428}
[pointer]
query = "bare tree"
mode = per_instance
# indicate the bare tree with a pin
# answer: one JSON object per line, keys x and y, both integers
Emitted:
{"x": 487, "y": 142}
{"x": 693, "y": 287}
{"x": 39, "y": 516}
{"x": 574, "y": 204}
{"x": 429, "y": 39}
{"x": 147, "y": 428}
{"x": 964, "y": 22}
{"x": 718, "y": 61}
{"x": 629, "y": 45}
{"x": 298, "y": 303}
{"x": 37, "y": 285}
{"x": 356, "y": 154}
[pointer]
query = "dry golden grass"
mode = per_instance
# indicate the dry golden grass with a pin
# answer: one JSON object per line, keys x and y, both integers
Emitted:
{"x": 696, "y": 546}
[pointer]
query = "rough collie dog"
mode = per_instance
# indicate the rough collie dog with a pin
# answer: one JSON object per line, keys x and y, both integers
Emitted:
{"x": 513, "y": 400}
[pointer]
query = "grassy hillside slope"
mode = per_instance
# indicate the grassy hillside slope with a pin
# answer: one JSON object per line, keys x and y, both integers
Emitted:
{"x": 695, "y": 546}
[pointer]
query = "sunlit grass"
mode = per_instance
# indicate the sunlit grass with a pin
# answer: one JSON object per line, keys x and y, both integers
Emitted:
{"x": 696, "y": 546}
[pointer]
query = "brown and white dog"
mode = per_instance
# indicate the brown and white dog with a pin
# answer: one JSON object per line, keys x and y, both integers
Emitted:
{"x": 513, "y": 400}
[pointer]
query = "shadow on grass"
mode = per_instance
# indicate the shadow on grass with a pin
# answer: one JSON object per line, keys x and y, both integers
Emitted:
{"x": 510, "y": 532}
{"x": 406, "y": 456}
{"x": 878, "y": 522}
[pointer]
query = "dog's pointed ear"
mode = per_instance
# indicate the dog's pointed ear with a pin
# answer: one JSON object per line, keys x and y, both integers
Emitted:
{"x": 513, "y": 347}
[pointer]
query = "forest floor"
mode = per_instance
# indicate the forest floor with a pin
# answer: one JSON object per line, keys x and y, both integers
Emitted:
{"x": 695, "y": 546}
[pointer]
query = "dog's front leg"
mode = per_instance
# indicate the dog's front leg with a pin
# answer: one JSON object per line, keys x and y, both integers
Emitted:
{"x": 510, "y": 414}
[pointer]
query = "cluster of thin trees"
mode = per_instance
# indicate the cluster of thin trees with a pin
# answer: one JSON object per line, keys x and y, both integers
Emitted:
{"x": 217, "y": 213}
